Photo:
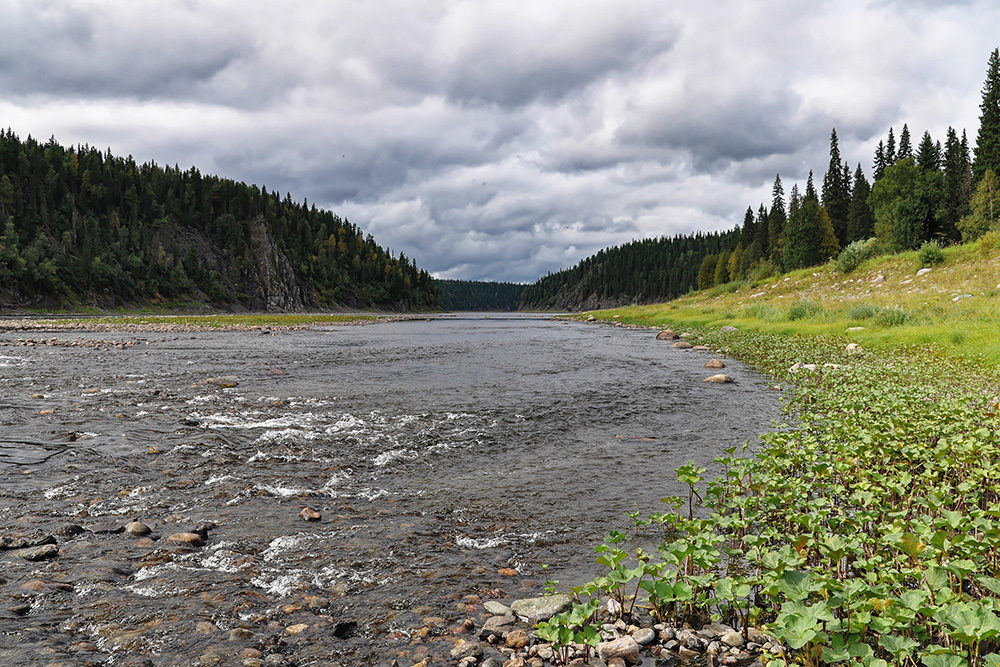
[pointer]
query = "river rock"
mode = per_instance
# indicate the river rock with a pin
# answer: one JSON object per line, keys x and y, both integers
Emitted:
{"x": 464, "y": 649}
{"x": 715, "y": 363}
{"x": 309, "y": 514}
{"x": 733, "y": 639}
{"x": 39, "y": 553}
{"x": 498, "y": 625}
{"x": 667, "y": 334}
{"x": 190, "y": 539}
{"x": 496, "y": 608}
{"x": 682, "y": 345}
{"x": 721, "y": 378}
{"x": 728, "y": 329}
{"x": 701, "y": 348}
{"x": 543, "y": 608}
{"x": 517, "y": 639}
{"x": 624, "y": 647}
{"x": 137, "y": 529}
{"x": 644, "y": 636}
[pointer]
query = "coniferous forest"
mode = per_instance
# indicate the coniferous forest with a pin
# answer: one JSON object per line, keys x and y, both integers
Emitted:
{"x": 83, "y": 227}
{"x": 921, "y": 192}
{"x": 479, "y": 295}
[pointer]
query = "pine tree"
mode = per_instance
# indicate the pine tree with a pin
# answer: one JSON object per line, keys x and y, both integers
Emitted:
{"x": 836, "y": 192}
{"x": 905, "y": 149}
{"x": 890, "y": 150}
{"x": 988, "y": 139}
{"x": 860, "y": 222}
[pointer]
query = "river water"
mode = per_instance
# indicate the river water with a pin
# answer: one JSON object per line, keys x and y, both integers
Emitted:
{"x": 451, "y": 461}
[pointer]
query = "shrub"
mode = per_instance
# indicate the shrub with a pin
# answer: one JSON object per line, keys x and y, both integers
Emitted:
{"x": 804, "y": 309}
{"x": 862, "y": 311}
{"x": 855, "y": 253}
{"x": 892, "y": 316}
{"x": 930, "y": 253}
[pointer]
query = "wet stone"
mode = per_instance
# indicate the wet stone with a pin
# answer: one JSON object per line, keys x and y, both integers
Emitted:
{"x": 106, "y": 527}
{"x": 137, "y": 529}
{"x": 644, "y": 636}
{"x": 189, "y": 539}
{"x": 39, "y": 553}
{"x": 543, "y": 608}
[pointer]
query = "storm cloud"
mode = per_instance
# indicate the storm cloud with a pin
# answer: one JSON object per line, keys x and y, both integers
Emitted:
{"x": 497, "y": 140}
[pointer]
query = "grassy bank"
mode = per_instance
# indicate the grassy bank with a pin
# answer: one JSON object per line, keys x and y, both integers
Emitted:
{"x": 869, "y": 533}
{"x": 276, "y": 321}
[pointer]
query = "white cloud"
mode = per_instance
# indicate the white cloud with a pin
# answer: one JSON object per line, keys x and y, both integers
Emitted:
{"x": 492, "y": 139}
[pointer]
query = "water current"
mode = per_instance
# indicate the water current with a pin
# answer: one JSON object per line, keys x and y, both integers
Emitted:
{"x": 451, "y": 460}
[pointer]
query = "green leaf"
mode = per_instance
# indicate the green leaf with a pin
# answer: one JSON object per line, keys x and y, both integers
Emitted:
{"x": 899, "y": 647}
{"x": 943, "y": 660}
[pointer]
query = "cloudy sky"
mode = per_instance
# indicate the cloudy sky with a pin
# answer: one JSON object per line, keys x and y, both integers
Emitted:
{"x": 498, "y": 139}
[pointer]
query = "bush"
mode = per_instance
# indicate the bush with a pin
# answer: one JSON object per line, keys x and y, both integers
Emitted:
{"x": 862, "y": 311}
{"x": 855, "y": 253}
{"x": 892, "y": 316}
{"x": 804, "y": 309}
{"x": 930, "y": 253}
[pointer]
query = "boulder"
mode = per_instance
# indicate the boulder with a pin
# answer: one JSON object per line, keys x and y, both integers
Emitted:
{"x": 667, "y": 334}
{"x": 190, "y": 539}
{"x": 721, "y": 378}
{"x": 701, "y": 348}
{"x": 498, "y": 625}
{"x": 543, "y": 608}
{"x": 715, "y": 363}
{"x": 854, "y": 349}
{"x": 728, "y": 329}
{"x": 682, "y": 345}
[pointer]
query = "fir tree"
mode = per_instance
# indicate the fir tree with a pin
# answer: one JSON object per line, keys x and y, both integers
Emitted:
{"x": 836, "y": 192}
{"x": 776, "y": 220}
{"x": 890, "y": 150}
{"x": 860, "y": 222}
{"x": 905, "y": 149}
{"x": 957, "y": 185}
{"x": 988, "y": 139}
{"x": 880, "y": 161}
{"x": 929, "y": 153}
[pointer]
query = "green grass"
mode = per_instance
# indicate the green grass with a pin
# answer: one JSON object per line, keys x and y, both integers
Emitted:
{"x": 220, "y": 321}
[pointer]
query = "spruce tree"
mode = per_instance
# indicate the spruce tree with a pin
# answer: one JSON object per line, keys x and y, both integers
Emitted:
{"x": 957, "y": 185}
{"x": 929, "y": 153}
{"x": 890, "y": 150}
{"x": 836, "y": 192}
{"x": 860, "y": 222}
{"x": 880, "y": 163}
{"x": 905, "y": 149}
{"x": 988, "y": 139}
{"x": 776, "y": 220}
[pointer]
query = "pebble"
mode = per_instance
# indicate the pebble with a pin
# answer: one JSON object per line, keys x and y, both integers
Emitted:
{"x": 517, "y": 639}
{"x": 644, "y": 636}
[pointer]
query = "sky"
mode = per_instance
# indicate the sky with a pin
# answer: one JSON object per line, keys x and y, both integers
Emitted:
{"x": 498, "y": 140}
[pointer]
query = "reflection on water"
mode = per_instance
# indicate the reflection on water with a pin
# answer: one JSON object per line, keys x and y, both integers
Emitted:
{"x": 438, "y": 453}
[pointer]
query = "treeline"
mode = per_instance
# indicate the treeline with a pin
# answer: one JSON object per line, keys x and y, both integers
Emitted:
{"x": 83, "y": 226}
{"x": 479, "y": 295}
{"x": 638, "y": 272}
{"x": 918, "y": 194}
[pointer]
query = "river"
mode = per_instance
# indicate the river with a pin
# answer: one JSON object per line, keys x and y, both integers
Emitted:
{"x": 451, "y": 460}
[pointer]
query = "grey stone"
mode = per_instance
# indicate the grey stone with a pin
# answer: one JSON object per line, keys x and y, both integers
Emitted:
{"x": 682, "y": 345}
{"x": 39, "y": 553}
{"x": 721, "y": 378}
{"x": 543, "y": 608}
{"x": 733, "y": 638}
{"x": 497, "y": 625}
{"x": 728, "y": 329}
{"x": 496, "y": 608}
{"x": 464, "y": 649}
{"x": 644, "y": 636}
{"x": 624, "y": 647}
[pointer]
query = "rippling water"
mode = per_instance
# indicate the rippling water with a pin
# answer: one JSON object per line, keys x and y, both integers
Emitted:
{"x": 448, "y": 458}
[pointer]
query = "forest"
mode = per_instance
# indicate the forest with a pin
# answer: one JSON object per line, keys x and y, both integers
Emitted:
{"x": 479, "y": 295}
{"x": 925, "y": 193}
{"x": 82, "y": 227}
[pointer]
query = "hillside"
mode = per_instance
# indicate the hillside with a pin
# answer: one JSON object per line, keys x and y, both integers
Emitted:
{"x": 886, "y": 302}
{"x": 479, "y": 295}
{"x": 84, "y": 228}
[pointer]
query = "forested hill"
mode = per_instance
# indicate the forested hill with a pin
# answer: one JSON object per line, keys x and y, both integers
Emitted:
{"x": 638, "y": 272}
{"x": 84, "y": 227}
{"x": 479, "y": 295}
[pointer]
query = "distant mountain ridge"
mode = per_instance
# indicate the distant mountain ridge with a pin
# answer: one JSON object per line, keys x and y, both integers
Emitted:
{"x": 81, "y": 227}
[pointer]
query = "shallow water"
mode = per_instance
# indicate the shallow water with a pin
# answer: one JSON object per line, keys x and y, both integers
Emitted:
{"x": 448, "y": 458}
